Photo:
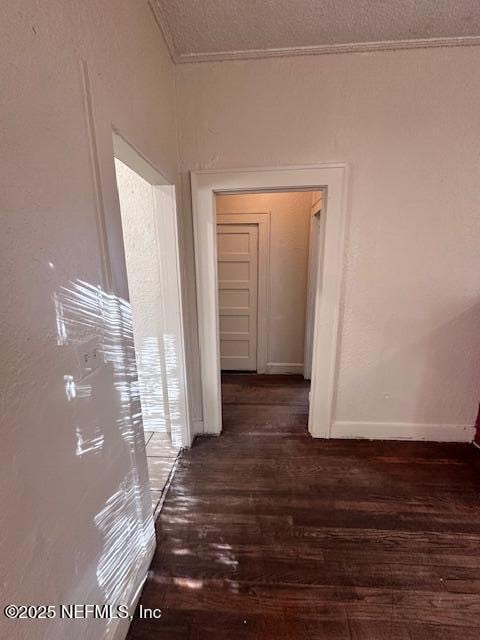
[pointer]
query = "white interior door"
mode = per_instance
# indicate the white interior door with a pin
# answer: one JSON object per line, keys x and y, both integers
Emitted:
{"x": 237, "y": 256}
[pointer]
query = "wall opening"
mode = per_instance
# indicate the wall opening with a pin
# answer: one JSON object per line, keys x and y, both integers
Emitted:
{"x": 331, "y": 180}
{"x": 151, "y": 254}
{"x": 268, "y": 247}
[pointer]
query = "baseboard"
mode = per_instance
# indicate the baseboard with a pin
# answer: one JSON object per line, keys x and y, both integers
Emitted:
{"x": 120, "y": 630}
{"x": 284, "y": 367}
{"x": 403, "y": 431}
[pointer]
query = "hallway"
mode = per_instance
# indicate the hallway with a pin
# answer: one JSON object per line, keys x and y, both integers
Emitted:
{"x": 268, "y": 534}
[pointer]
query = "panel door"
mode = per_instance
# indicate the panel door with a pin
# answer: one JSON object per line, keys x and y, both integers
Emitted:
{"x": 237, "y": 256}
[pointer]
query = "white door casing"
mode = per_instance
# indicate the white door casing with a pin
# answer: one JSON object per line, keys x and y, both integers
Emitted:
{"x": 332, "y": 179}
{"x": 237, "y": 260}
{"x": 314, "y": 284}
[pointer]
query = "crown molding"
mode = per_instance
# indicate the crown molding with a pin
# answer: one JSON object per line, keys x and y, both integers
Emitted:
{"x": 311, "y": 50}
{"x": 162, "y": 23}
{"x": 317, "y": 50}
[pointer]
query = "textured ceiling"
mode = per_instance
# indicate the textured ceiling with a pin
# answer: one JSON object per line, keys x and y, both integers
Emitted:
{"x": 220, "y": 29}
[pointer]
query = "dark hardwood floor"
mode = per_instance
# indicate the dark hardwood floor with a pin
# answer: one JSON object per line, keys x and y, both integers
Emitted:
{"x": 269, "y": 534}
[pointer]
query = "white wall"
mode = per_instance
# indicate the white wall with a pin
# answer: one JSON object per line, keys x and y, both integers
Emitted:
{"x": 73, "y": 480}
{"x": 408, "y": 123}
{"x": 144, "y": 286}
{"x": 289, "y": 231}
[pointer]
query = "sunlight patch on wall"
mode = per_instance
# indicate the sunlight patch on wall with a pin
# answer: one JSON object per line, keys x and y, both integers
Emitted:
{"x": 94, "y": 324}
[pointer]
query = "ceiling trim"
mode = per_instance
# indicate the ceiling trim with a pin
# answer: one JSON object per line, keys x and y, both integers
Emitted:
{"x": 351, "y": 47}
{"x": 162, "y": 23}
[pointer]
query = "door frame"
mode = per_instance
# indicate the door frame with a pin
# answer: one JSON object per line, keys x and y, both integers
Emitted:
{"x": 332, "y": 179}
{"x": 316, "y": 239}
{"x": 262, "y": 220}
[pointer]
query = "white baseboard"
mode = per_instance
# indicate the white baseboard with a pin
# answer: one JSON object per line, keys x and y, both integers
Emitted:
{"x": 403, "y": 431}
{"x": 120, "y": 630}
{"x": 284, "y": 367}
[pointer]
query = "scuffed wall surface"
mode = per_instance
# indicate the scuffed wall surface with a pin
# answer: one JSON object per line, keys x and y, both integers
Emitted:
{"x": 75, "y": 520}
{"x": 287, "y": 291}
{"x": 408, "y": 123}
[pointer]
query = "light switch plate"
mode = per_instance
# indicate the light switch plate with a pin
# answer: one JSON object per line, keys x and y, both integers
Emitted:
{"x": 89, "y": 355}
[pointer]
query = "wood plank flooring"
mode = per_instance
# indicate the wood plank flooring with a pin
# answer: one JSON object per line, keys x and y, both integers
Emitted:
{"x": 267, "y": 534}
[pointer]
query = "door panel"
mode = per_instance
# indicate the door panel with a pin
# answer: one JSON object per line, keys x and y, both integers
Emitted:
{"x": 237, "y": 256}
{"x": 233, "y": 324}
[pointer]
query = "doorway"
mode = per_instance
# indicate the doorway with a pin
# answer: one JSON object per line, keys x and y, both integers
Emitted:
{"x": 267, "y": 254}
{"x": 148, "y": 217}
{"x": 264, "y": 281}
{"x": 331, "y": 180}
